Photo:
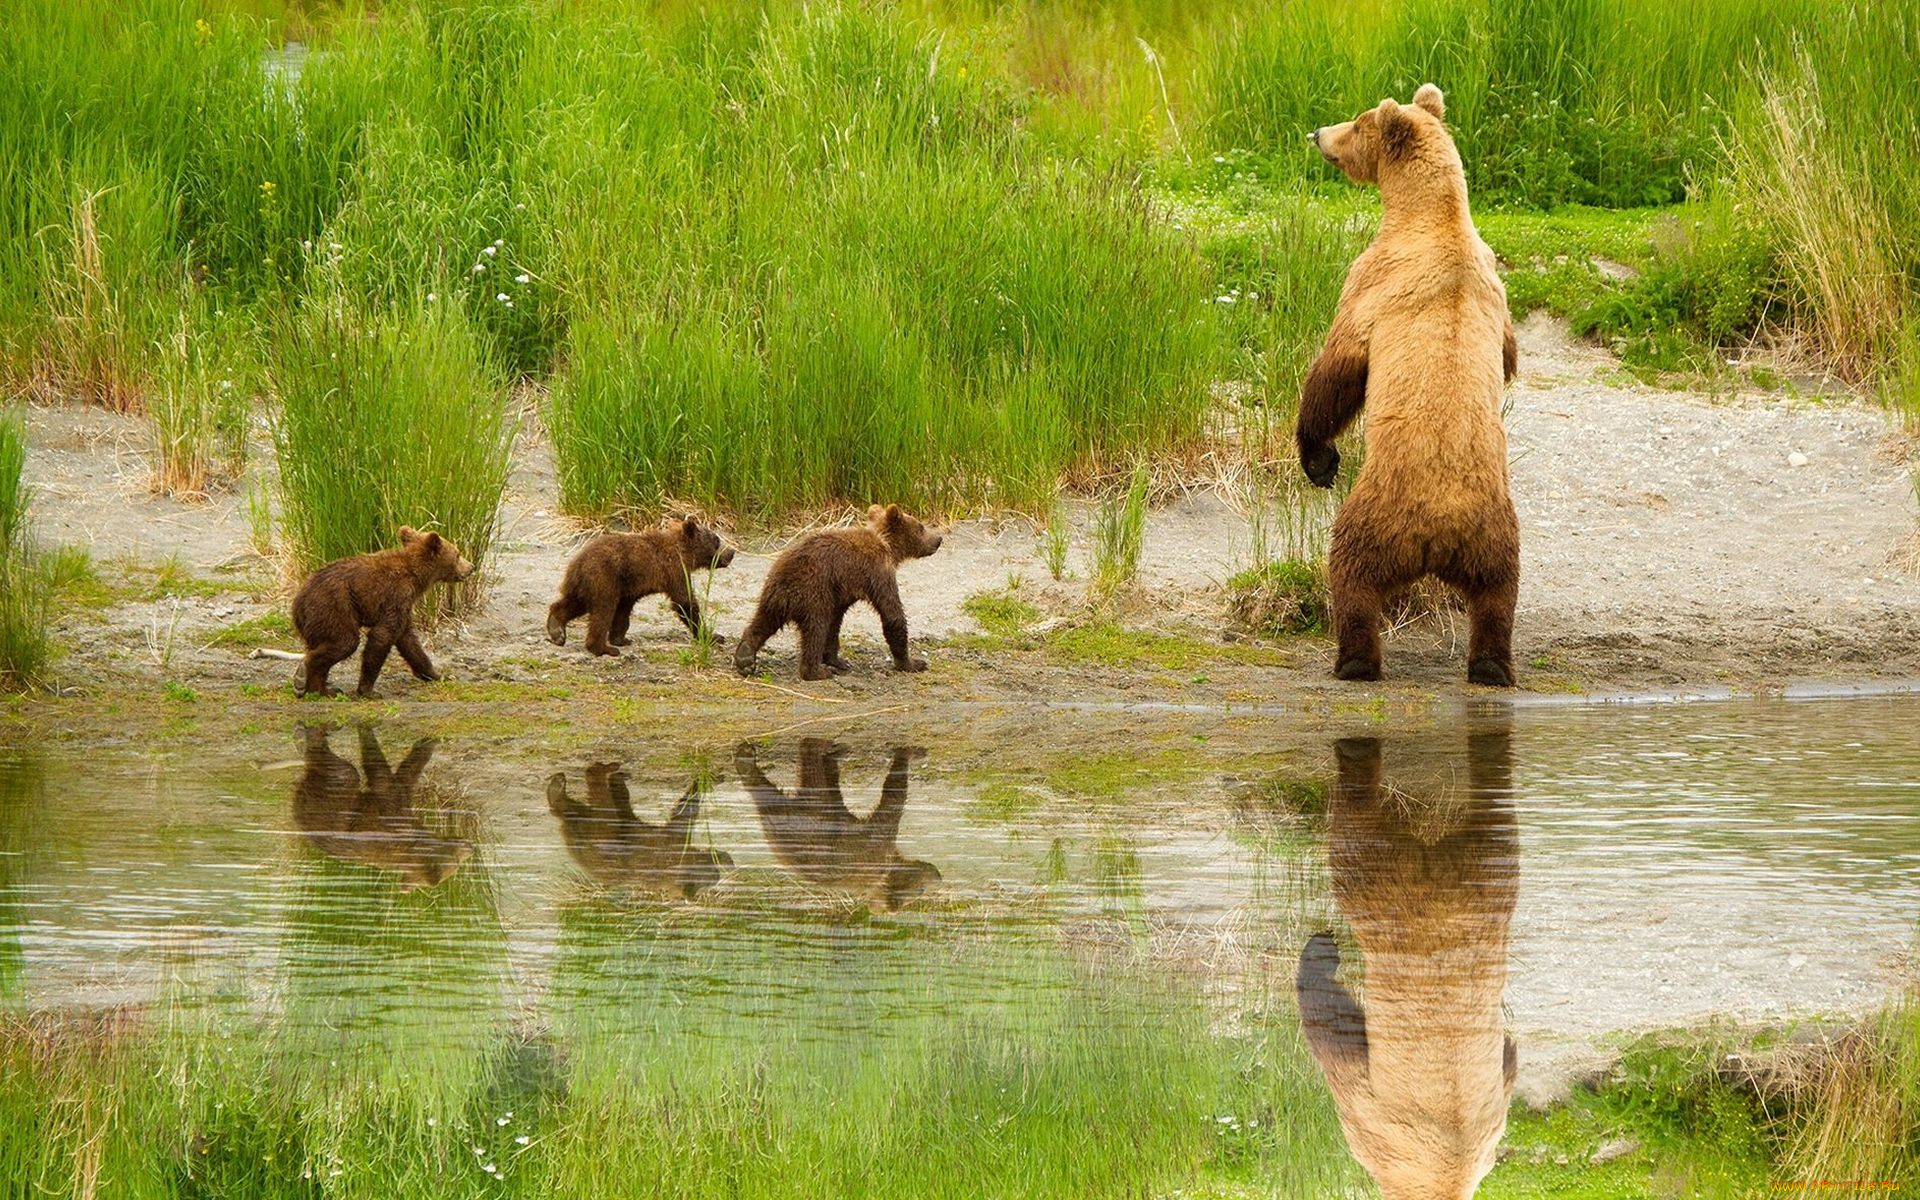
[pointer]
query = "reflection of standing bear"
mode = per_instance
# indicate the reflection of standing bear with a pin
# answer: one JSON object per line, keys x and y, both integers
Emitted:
{"x": 1423, "y": 338}
{"x": 615, "y": 570}
{"x": 620, "y": 850}
{"x": 817, "y": 579}
{"x": 1422, "y": 1075}
{"x": 367, "y": 816}
{"x": 816, "y": 838}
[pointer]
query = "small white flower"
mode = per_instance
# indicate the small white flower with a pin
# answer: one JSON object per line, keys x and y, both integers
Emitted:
{"x": 1223, "y": 299}
{"x": 523, "y": 277}
{"x": 479, "y": 267}
{"x": 335, "y": 246}
{"x": 490, "y": 251}
{"x": 502, "y": 298}
{"x": 490, "y": 1169}
{"x": 226, "y": 385}
{"x": 499, "y": 241}
{"x": 519, "y": 208}
{"x": 1219, "y": 158}
{"x": 432, "y": 296}
{"x": 432, "y": 1121}
{"x": 499, "y": 1120}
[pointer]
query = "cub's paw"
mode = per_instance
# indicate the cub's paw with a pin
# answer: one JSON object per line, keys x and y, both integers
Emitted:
{"x": 1490, "y": 672}
{"x": 840, "y": 665}
{"x": 1321, "y": 464}
{"x": 911, "y": 665}
{"x": 556, "y": 631}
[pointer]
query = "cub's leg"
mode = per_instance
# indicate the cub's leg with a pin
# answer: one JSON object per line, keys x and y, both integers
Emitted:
{"x": 832, "y": 657}
{"x": 767, "y": 620}
{"x": 380, "y": 639}
{"x": 416, "y": 656}
{"x": 565, "y": 610}
{"x": 814, "y": 625}
{"x": 622, "y": 616}
{"x": 321, "y": 659}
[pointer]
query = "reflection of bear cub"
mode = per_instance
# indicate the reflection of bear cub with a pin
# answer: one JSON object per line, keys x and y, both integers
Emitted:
{"x": 367, "y": 816}
{"x": 1422, "y": 1075}
{"x": 817, "y": 579}
{"x": 376, "y": 592}
{"x": 614, "y": 570}
{"x": 1423, "y": 338}
{"x": 815, "y": 837}
{"x": 620, "y": 850}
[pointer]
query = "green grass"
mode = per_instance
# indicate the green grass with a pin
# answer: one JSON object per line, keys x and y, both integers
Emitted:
{"x": 1106, "y": 644}
{"x": 25, "y": 590}
{"x": 268, "y": 629}
{"x": 1003, "y": 613}
{"x": 1280, "y": 598}
{"x": 1119, "y": 530}
{"x": 384, "y": 421}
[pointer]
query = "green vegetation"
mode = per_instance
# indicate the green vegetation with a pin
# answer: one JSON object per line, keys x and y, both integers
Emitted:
{"x": 385, "y": 422}
{"x": 1108, "y": 644}
{"x": 1281, "y": 597}
{"x": 25, "y": 589}
{"x": 1002, "y": 614}
{"x": 1119, "y": 527}
{"x": 1865, "y": 1122}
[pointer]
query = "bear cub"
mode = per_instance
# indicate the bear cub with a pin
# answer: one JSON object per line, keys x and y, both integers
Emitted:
{"x": 614, "y": 570}
{"x": 376, "y": 592}
{"x": 817, "y": 579}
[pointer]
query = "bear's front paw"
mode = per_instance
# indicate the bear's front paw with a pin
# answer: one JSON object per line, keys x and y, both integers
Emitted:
{"x": 1321, "y": 464}
{"x": 718, "y": 639}
{"x": 911, "y": 665}
{"x": 744, "y": 663}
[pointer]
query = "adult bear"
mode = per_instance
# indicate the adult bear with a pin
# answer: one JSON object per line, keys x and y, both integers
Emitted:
{"x": 1423, "y": 338}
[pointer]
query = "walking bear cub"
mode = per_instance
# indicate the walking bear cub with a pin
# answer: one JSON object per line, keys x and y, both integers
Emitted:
{"x": 1423, "y": 339}
{"x": 376, "y": 592}
{"x": 817, "y": 579}
{"x": 614, "y": 570}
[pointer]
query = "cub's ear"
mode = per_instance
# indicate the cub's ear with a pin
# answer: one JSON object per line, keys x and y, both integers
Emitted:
{"x": 893, "y": 512}
{"x": 874, "y": 513}
{"x": 1397, "y": 134}
{"x": 432, "y": 541}
{"x": 408, "y": 535}
{"x": 1429, "y": 98}
{"x": 690, "y": 526}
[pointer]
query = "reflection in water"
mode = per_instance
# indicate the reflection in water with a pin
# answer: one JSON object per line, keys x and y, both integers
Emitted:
{"x": 367, "y": 816}
{"x": 621, "y": 851}
{"x": 821, "y": 842}
{"x": 1426, "y": 873}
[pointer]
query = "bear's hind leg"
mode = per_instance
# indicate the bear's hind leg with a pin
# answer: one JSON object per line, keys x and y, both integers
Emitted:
{"x": 622, "y": 617}
{"x": 320, "y": 661}
{"x": 814, "y": 627}
{"x": 766, "y": 622}
{"x": 564, "y": 611}
{"x": 599, "y": 626}
{"x": 379, "y": 643}
{"x": 1490, "y": 647}
{"x": 832, "y": 656}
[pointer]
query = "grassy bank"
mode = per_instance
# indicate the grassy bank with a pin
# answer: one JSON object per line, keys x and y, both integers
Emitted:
{"x": 25, "y": 590}
{"x": 952, "y": 253}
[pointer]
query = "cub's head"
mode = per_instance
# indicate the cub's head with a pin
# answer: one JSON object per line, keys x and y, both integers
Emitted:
{"x": 700, "y": 546}
{"x": 907, "y": 536}
{"x": 441, "y": 556}
{"x": 1377, "y": 145}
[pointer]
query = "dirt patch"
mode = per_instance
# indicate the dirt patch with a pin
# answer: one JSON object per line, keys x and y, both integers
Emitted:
{"x": 1670, "y": 540}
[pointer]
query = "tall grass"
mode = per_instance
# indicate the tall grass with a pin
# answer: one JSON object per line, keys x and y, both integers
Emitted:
{"x": 384, "y": 420}
{"x": 25, "y": 591}
{"x": 1119, "y": 532}
{"x": 1865, "y": 1119}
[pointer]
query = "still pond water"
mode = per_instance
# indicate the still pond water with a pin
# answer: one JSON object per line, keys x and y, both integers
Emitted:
{"x": 1366, "y": 932}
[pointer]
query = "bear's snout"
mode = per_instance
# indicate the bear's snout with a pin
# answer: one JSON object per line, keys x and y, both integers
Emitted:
{"x": 463, "y": 569}
{"x": 724, "y": 557}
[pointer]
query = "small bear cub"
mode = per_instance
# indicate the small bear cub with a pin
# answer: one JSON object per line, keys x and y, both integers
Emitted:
{"x": 614, "y": 570}
{"x": 376, "y": 592}
{"x": 817, "y": 579}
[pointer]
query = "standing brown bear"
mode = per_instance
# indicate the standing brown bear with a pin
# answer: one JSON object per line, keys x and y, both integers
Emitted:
{"x": 376, "y": 592}
{"x": 1423, "y": 338}
{"x": 614, "y": 570}
{"x": 817, "y": 579}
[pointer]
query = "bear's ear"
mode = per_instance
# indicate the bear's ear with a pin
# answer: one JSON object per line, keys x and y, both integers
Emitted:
{"x": 1429, "y": 98}
{"x": 689, "y": 526}
{"x": 408, "y": 535}
{"x": 1397, "y": 134}
{"x": 875, "y": 513}
{"x": 432, "y": 542}
{"x": 893, "y": 512}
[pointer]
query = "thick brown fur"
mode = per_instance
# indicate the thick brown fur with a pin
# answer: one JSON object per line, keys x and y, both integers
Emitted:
{"x": 614, "y": 570}
{"x": 376, "y": 592}
{"x": 1426, "y": 873}
{"x": 817, "y": 579}
{"x": 622, "y": 852}
{"x": 1423, "y": 339}
{"x": 815, "y": 837}
{"x": 366, "y": 816}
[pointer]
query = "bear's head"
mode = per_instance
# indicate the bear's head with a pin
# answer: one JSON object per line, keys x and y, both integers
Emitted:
{"x": 1395, "y": 146}
{"x": 906, "y": 536}
{"x": 700, "y": 546}
{"x": 441, "y": 557}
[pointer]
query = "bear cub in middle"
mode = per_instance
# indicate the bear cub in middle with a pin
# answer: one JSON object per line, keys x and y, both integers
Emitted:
{"x": 817, "y": 579}
{"x": 614, "y": 570}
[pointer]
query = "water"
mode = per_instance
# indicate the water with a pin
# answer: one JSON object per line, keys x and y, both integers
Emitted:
{"x": 1391, "y": 920}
